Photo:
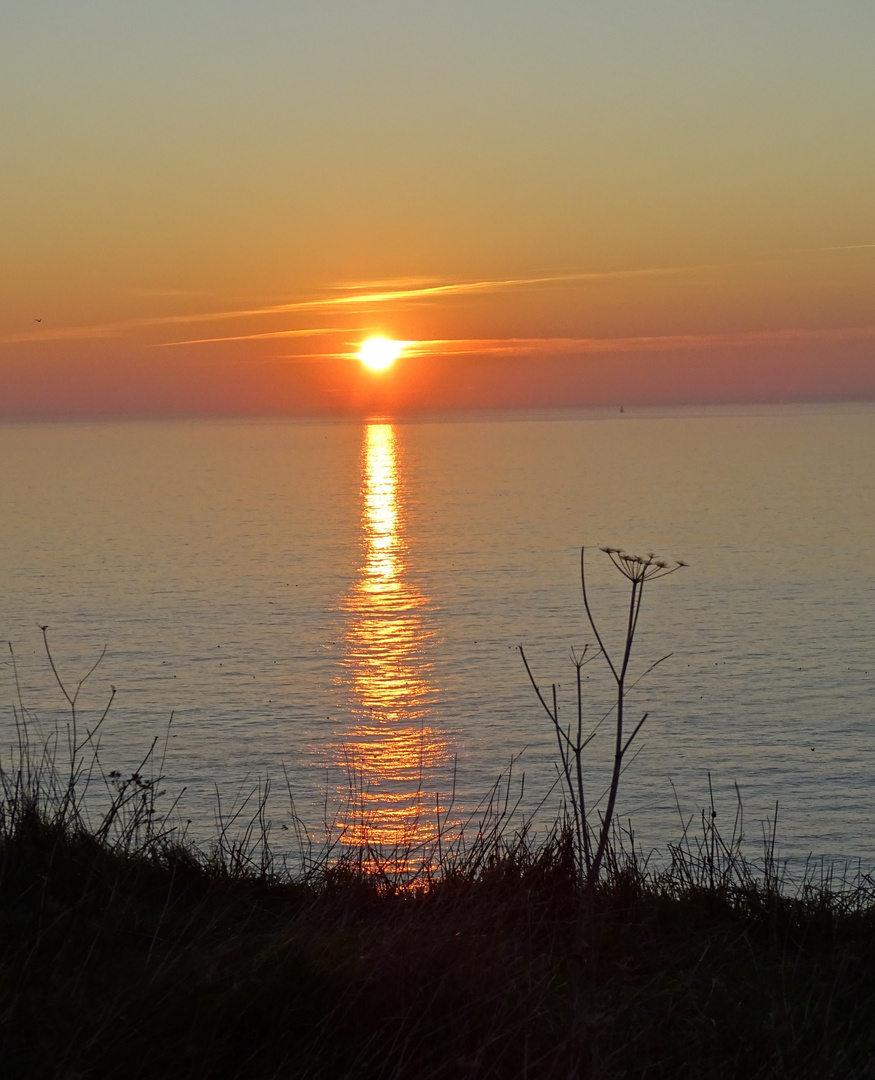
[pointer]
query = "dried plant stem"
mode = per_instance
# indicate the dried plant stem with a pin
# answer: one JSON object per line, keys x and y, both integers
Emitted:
{"x": 594, "y": 837}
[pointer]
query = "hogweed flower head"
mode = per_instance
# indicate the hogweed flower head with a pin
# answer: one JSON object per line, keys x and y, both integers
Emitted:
{"x": 638, "y": 568}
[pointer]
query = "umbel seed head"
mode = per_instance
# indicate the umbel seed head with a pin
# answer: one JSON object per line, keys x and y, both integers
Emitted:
{"x": 639, "y": 569}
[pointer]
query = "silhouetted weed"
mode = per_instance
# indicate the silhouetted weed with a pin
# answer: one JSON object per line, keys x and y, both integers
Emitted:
{"x": 127, "y": 951}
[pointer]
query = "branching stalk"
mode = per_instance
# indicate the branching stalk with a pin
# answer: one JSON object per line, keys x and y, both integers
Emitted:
{"x": 593, "y": 834}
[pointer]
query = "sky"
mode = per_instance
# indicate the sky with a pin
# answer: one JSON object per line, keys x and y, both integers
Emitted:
{"x": 208, "y": 206}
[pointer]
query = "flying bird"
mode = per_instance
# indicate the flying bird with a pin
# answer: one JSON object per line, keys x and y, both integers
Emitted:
{"x": 37, "y": 320}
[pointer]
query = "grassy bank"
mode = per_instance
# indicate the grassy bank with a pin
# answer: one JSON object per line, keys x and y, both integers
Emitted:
{"x": 496, "y": 952}
{"x": 133, "y": 954}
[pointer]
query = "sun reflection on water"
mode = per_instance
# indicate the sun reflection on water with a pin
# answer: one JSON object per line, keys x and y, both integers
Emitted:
{"x": 391, "y": 753}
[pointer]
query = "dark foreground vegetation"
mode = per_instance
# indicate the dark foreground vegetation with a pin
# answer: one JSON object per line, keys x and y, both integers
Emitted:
{"x": 126, "y": 954}
{"x": 127, "y": 951}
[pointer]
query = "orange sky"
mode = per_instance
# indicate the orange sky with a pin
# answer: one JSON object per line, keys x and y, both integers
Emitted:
{"x": 209, "y": 208}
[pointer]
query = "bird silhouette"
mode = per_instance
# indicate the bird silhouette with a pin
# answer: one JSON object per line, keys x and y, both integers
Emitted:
{"x": 37, "y": 320}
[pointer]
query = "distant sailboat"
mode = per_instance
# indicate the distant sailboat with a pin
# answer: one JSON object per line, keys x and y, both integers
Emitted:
{"x": 622, "y": 409}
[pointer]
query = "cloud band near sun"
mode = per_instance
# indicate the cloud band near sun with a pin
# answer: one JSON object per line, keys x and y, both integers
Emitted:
{"x": 388, "y": 295}
{"x": 360, "y": 295}
{"x": 535, "y": 347}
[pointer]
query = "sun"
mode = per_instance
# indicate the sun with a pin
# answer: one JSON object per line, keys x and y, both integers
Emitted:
{"x": 379, "y": 353}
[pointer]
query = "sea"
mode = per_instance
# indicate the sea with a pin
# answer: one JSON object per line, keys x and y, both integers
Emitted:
{"x": 336, "y": 609}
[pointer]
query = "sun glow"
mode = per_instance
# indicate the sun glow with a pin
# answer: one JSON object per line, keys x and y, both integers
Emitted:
{"x": 379, "y": 353}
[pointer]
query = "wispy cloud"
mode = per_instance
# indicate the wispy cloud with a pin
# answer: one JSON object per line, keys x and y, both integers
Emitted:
{"x": 388, "y": 283}
{"x": 649, "y": 343}
{"x": 844, "y": 247}
{"x": 309, "y": 332}
{"x": 423, "y": 291}
{"x": 572, "y": 346}
{"x": 360, "y": 297}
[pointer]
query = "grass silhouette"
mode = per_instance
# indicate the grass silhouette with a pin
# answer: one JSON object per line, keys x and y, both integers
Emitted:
{"x": 128, "y": 951}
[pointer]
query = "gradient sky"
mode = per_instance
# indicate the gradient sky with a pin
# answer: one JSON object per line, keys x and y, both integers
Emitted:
{"x": 209, "y": 205}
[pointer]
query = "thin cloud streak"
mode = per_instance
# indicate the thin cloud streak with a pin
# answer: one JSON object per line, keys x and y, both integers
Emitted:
{"x": 490, "y": 285}
{"x": 122, "y": 328}
{"x": 314, "y": 332}
{"x": 660, "y": 342}
{"x": 374, "y": 295}
{"x": 388, "y": 283}
{"x": 548, "y": 346}
{"x": 844, "y": 247}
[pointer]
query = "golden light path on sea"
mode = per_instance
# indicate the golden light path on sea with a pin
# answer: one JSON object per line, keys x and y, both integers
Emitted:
{"x": 391, "y": 747}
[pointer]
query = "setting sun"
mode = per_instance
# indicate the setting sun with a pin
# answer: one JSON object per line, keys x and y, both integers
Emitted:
{"x": 379, "y": 353}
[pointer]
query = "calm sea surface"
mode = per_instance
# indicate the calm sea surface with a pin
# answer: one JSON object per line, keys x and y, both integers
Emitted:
{"x": 349, "y": 599}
